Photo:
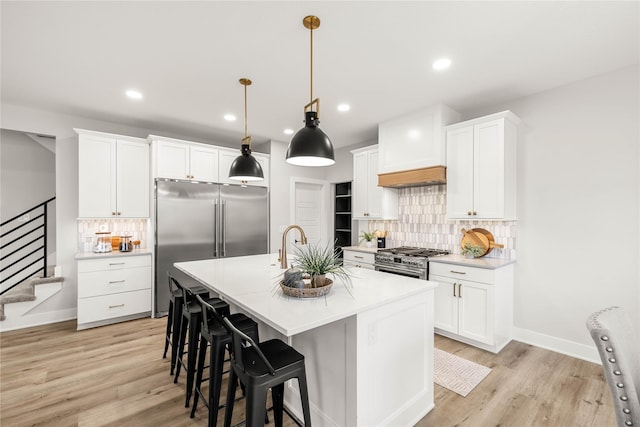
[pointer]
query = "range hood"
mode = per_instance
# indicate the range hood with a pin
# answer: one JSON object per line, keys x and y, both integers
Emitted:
{"x": 415, "y": 177}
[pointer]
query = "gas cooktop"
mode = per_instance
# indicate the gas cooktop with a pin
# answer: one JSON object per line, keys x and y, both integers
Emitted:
{"x": 414, "y": 251}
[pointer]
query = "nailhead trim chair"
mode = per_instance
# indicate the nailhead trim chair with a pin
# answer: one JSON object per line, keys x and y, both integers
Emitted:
{"x": 617, "y": 343}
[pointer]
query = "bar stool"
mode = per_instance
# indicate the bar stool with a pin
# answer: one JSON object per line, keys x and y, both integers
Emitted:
{"x": 174, "y": 315}
{"x": 215, "y": 334}
{"x": 260, "y": 367}
{"x": 192, "y": 321}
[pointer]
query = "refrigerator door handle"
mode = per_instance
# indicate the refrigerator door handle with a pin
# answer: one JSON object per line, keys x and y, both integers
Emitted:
{"x": 223, "y": 226}
{"x": 216, "y": 207}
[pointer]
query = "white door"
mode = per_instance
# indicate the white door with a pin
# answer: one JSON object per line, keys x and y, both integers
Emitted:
{"x": 460, "y": 172}
{"x": 173, "y": 160}
{"x": 133, "y": 179}
{"x": 204, "y": 163}
{"x": 310, "y": 211}
{"x": 488, "y": 168}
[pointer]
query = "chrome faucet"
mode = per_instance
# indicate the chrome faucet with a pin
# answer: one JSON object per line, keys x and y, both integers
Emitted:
{"x": 283, "y": 251}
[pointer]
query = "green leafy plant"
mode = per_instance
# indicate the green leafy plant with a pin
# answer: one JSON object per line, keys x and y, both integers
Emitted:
{"x": 367, "y": 236}
{"x": 472, "y": 250}
{"x": 315, "y": 260}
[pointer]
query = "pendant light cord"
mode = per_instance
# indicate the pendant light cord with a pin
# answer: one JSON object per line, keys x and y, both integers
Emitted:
{"x": 311, "y": 66}
{"x": 245, "y": 111}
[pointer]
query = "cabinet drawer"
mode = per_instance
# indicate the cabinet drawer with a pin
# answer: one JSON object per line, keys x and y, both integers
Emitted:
{"x": 114, "y": 263}
{"x": 112, "y": 306}
{"x": 97, "y": 283}
{"x": 352, "y": 264}
{"x": 359, "y": 257}
{"x": 463, "y": 272}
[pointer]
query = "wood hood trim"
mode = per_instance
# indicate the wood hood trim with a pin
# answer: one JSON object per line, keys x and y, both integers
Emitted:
{"x": 414, "y": 177}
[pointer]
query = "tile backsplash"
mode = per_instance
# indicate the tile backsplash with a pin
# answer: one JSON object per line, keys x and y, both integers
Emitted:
{"x": 422, "y": 222}
{"x": 87, "y": 229}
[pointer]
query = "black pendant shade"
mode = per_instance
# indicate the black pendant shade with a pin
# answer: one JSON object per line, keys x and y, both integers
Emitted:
{"x": 310, "y": 146}
{"x": 245, "y": 167}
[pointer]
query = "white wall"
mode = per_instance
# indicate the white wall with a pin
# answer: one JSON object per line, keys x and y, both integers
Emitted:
{"x": 578, "y": 208}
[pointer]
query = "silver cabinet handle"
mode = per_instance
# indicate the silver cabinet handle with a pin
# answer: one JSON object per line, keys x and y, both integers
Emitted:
{"x": 116, "y": 263}
{"x": 359, "y": 257}
{"x": 116, "y": 306}
{"x": 454, "y": 290}
{"x": 116, "y": 281}
{"x": 457, "y": 272}
{"x": 216, "y": 208}
{"x": 459, "y": 290}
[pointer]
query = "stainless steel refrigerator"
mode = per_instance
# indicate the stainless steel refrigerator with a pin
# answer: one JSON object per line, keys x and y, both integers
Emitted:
{"x": 201, "y": 221}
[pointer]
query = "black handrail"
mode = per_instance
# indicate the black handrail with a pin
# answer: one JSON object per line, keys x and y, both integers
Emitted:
{"x": 20, "y": 243}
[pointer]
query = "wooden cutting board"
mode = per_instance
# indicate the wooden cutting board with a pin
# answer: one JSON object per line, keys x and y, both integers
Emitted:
{"x": 474, "y": 238}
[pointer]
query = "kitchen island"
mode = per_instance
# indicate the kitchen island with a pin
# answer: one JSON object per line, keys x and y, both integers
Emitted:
{"x": 368, "y": 349}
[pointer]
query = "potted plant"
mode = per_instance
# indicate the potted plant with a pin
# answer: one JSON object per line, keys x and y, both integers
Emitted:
{"x": 317, "y": 261}
{"x": 368, "y": 237}
{"x": 472, "y": 251}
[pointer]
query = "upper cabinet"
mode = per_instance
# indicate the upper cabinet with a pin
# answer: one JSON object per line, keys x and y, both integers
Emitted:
{"x": 177, "y": 159}
{"x": 228, "y": 155}
{"x": 481, "y": 168}
{"x": 414, "y": 141}
{"x": 369, "y": 200}
{"x": 113, "y": 176}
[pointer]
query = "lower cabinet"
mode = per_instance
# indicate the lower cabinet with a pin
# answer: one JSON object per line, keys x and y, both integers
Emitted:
{"x": 113, "y": 289}
{"x": 474, "y": 305}
{"x": 358, "y": 259}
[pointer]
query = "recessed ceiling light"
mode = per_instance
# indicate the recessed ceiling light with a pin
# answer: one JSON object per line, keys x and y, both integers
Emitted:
{"x": 134, "y": 94}
{"x": 288, "y": 131}
{"x": 230, "y": 117}
{"x": 442, "y": 64}
{"x": 344, "y": 107}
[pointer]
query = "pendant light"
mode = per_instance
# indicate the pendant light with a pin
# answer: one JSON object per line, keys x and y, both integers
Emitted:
{"x": 311, "y": 146}
{"x": 245, "y": 167}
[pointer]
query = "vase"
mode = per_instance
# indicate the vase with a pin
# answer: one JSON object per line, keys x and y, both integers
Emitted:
{"x": 369, "y": 244}
{"x": 318, "y": 281}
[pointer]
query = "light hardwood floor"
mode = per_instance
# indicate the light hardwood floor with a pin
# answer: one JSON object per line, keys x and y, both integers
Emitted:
{"x": 54, "y": 375}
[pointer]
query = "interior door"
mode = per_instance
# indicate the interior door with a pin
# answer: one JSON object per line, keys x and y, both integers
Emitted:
{"x": 309, "y": 213}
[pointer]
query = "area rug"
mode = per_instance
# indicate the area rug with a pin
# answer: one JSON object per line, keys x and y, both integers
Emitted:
{"x": 457, "y": 374}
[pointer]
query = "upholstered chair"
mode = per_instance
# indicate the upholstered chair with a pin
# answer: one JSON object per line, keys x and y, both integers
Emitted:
{"x": 619, "y": 349}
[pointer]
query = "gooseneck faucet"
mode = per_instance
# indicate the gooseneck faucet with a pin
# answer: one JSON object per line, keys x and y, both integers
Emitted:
{"x": 283, "y": 251}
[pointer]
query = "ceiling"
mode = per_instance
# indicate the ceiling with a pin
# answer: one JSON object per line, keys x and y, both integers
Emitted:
{"x": 79, "y": 58}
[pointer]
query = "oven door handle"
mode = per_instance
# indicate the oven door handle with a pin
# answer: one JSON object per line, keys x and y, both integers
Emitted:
{"x": 405, "y": 271}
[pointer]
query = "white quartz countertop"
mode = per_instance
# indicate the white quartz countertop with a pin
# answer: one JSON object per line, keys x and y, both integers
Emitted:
{"x": 112, "y": 254}
{"x": 483, "y": 262}
{"x": 251, "y": 283}
{"x": 360, "y": 249}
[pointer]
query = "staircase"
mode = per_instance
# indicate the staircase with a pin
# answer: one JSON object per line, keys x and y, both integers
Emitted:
{"x": 30, "y": 291}
{"x": 26, "y": 279}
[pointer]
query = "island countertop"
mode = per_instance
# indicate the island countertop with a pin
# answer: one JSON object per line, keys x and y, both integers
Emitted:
{"x": 252, "y": 283}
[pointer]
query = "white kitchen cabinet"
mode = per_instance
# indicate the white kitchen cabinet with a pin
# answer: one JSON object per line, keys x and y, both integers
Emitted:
{"x": 481, "y": 168}
{"x": 228, "y": 155}
{"x": 414, "y": 141}
{"x": 369, "y": 200}
{"x": 358, "y": 259}
{"x": 176, "y": 159}
{"x": 113, "y": 289}
{"x": 113, "y": 176}
{"x": 474, "y": 305}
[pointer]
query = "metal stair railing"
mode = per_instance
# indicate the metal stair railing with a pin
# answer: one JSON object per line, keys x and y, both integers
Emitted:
{"x": 24, "y": 253}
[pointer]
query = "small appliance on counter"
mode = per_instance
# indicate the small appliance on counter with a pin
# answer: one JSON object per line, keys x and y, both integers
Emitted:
{"x": 381, "y": 236}
{"x": 125, "y": 244}
{"x": 103, "y": 242}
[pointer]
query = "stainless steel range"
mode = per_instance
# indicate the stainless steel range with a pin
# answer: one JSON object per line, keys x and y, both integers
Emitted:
{"x": 406, "y": 261}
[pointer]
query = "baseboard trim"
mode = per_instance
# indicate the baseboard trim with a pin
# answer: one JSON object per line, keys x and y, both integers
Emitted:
{"x": 559, "y": 345}
{"x": 11, "y": 324}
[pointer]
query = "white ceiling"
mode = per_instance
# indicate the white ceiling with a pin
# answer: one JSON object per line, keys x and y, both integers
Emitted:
{"x": 186, "y": 57}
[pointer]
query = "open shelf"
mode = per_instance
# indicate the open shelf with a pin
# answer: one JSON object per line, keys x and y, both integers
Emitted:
{"x": 342, "y": 216}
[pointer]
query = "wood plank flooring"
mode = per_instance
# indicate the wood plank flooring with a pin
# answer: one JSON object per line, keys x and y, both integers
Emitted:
{"x": 54, "y": 375}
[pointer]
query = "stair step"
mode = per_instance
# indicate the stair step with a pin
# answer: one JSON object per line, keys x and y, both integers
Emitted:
{"x": 25, "y": 291}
